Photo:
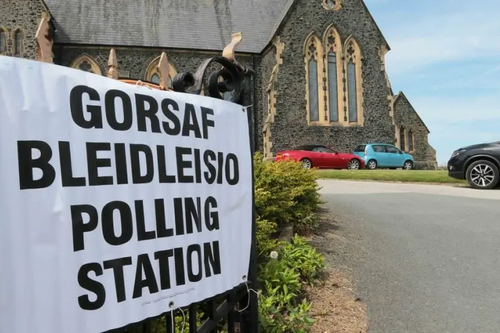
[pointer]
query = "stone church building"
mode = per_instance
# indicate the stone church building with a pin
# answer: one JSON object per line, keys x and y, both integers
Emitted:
{"x": 319, "y": 64}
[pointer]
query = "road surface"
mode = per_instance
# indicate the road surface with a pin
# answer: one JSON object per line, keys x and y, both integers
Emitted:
{"x": 424, "y": 258}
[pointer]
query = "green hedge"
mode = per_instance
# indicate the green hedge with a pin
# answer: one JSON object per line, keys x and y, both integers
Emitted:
{"x": 285, "y": 194}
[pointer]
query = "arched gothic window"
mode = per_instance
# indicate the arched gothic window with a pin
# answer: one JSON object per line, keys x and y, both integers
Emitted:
{"x": 402, "y": 143}
{"x": 334, "y": 92}
{"x": 154, "y": 75}
{"x": 18, "y": 42}
{"x": 333, "y": 83}
{"x": 314, "y": 69}
{"x": 3, "y": 40}
{"x": 351, "y": 91}
{"x": 410, "y": 140}
{"x": 86, "y": 64}
{"x": 352, "y": 55}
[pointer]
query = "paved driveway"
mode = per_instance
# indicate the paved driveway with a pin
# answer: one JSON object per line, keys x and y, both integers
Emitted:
{"x": 424, "y": 258}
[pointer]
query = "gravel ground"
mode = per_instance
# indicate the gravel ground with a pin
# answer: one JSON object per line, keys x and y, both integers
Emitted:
{"x": 336, "y": 306}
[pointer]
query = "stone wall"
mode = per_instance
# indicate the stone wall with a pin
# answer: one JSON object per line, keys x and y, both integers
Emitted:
{"x": 405, "y": 115}
{"x": 290, "y": 127}
{"x": 24, "y": 15}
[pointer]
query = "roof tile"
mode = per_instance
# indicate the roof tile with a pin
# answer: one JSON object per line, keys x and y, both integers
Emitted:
{"x": 185, "y": 24}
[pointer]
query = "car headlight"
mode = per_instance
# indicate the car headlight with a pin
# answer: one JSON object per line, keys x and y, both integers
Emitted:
{"x": 457, "y": 152}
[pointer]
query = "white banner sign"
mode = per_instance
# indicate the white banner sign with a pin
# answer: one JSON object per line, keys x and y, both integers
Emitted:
{"x": 117, "y": 201}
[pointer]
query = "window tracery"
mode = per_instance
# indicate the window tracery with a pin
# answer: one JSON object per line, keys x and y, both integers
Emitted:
{"x": 86, "y": 64}
{"x": 314, "y": 71}
{"x": 333, "y": 81}
{"x": 352, "y": 63}
{"x": 333, "y": 72}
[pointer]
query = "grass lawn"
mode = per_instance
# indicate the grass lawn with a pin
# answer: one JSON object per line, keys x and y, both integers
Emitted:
{"x": 411, "y": 176}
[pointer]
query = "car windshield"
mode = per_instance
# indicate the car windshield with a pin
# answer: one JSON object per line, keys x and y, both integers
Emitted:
{"x": 317, "y": 149}
{"x": 323, "y": 149}
{"x": 359, "y": 149}
{"x": 392, "y": 149}
{"x": 308, "y": 148}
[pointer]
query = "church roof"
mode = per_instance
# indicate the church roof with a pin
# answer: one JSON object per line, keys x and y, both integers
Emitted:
{"x": 183, "y": 24}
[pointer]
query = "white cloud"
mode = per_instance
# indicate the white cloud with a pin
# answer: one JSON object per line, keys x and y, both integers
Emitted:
{"x": 484, "y": 79}
{"x": 417, "y": 41}
{"x": 436, "y": 109}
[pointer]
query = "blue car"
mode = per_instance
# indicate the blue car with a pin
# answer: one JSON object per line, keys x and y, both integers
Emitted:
{"x": 382, "y": 155}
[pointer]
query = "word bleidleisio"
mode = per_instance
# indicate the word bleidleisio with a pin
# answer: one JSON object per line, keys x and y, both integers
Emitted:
{"x": 191, "y": 165}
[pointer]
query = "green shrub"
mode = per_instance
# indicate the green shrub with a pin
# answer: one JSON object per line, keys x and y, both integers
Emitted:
{"x": 286, "y": 193}
{"x": 292, "y": 319}
{"x": 265, "y": 240}
{"x": 304, "y": 258}
{"x": 282, "y": 306}
{"x": 281, "y": 281}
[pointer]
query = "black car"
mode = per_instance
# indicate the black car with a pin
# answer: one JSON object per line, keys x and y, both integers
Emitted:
{"x": 479, "y": 164}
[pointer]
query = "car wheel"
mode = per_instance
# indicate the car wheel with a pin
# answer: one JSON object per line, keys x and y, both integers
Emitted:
{"x": 408, "y": 165}
{"x": 372, "y": 164}
{"x": 306, "y": 163}
{"x": 482, "y": 175}
{"x": 353, "y": 164}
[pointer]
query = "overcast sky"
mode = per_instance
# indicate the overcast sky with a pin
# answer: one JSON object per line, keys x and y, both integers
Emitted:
{"x": 445, "y": 57}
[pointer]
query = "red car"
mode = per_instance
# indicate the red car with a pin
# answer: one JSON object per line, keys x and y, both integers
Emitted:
{"x": 321, "y": 157}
